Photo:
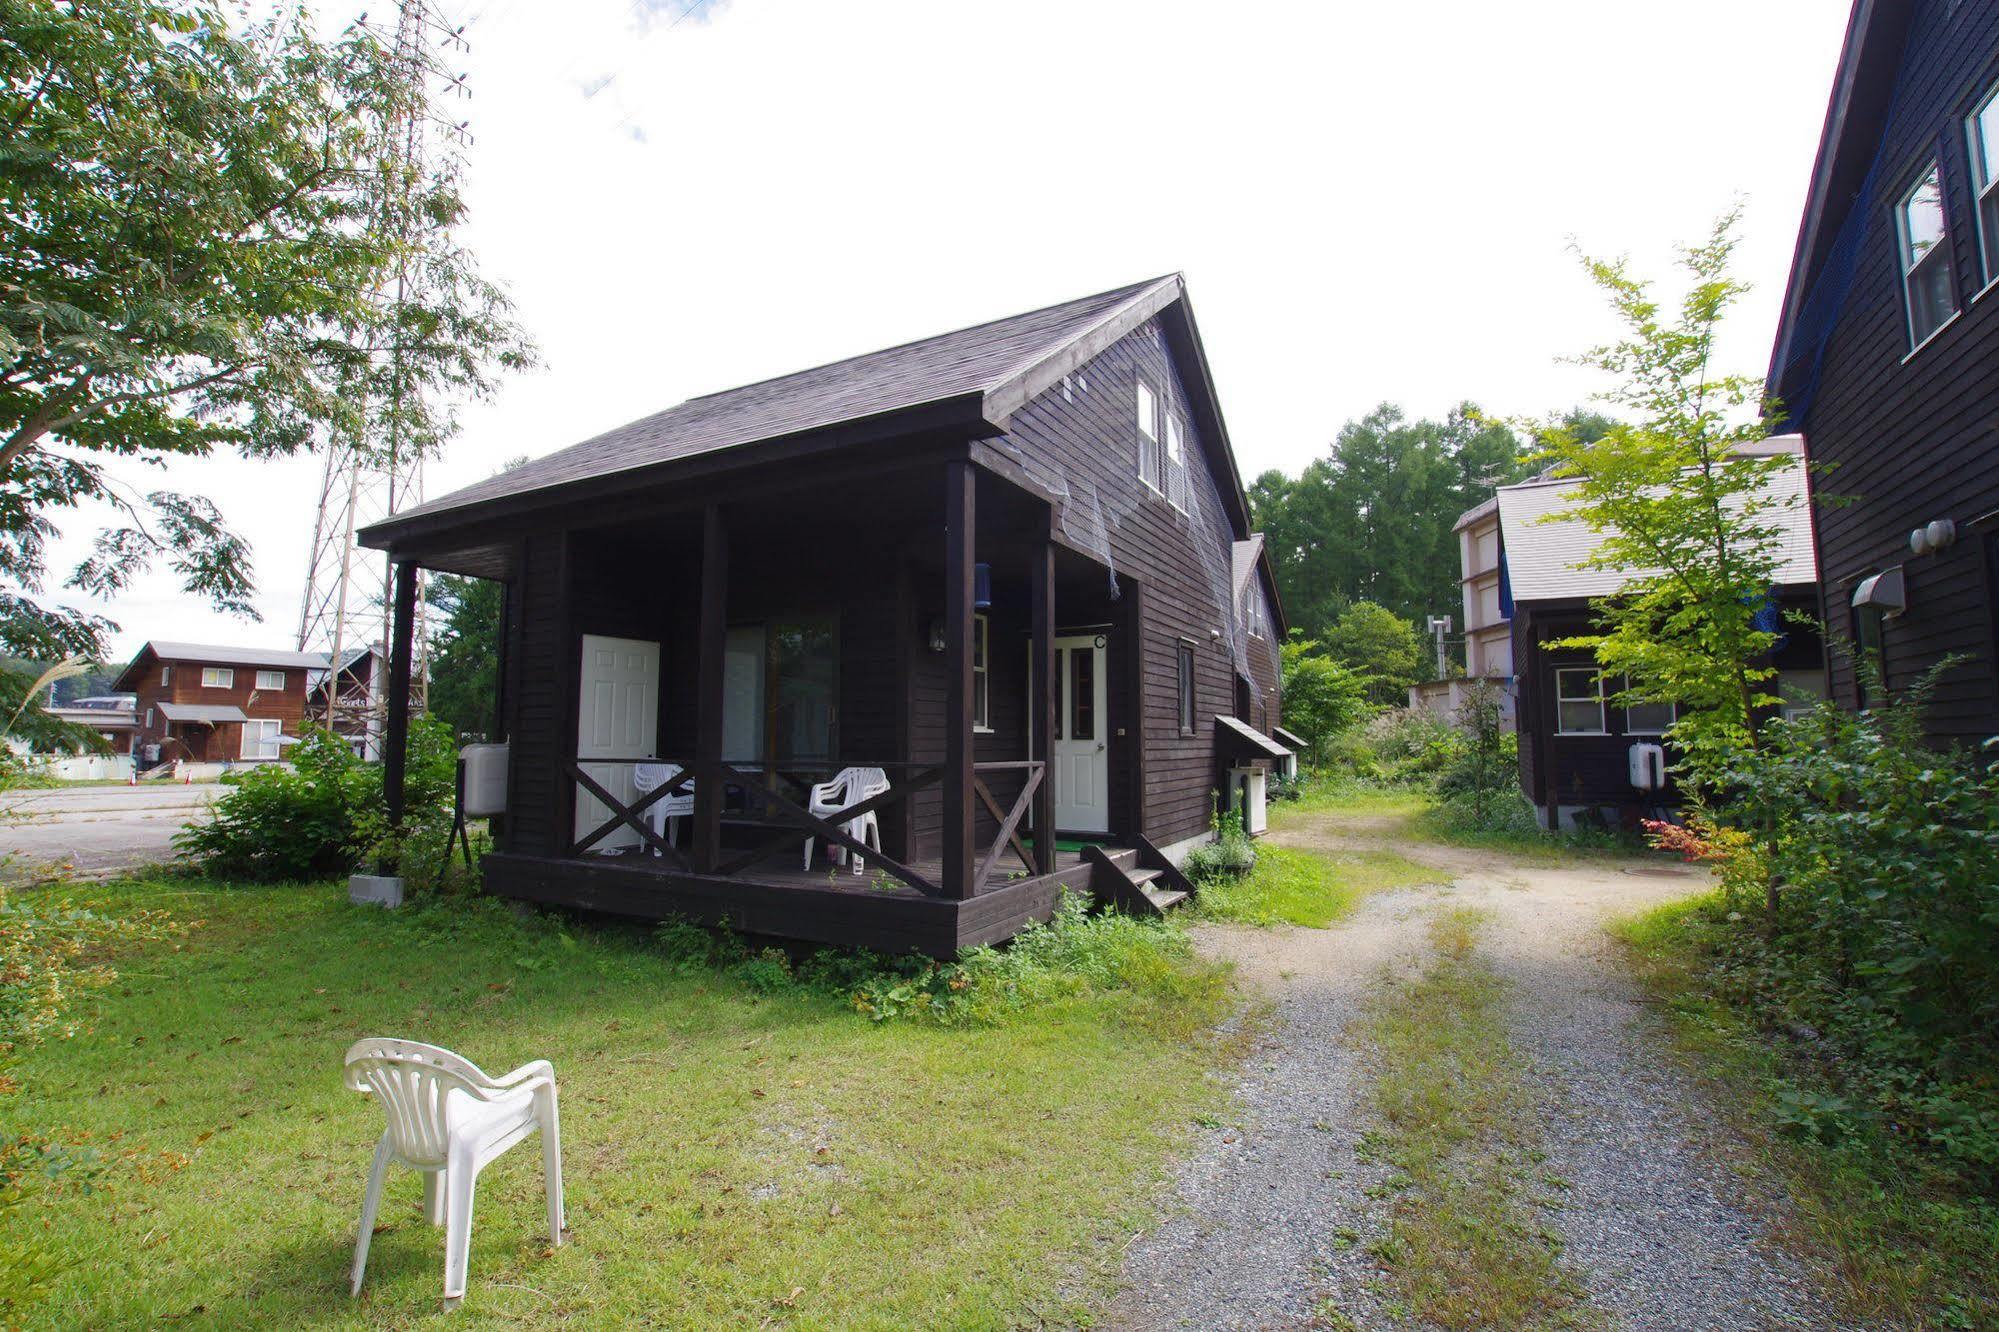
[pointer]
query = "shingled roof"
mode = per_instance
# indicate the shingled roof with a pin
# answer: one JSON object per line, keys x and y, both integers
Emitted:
{"x": 991, "y": 366}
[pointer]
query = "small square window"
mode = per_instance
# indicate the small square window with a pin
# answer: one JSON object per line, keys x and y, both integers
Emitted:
{"x": 273, "y": 680}
{"x": 1927, "y": 281}
{"x": 1579, "y": 701}
{"x": 218, "y": 677}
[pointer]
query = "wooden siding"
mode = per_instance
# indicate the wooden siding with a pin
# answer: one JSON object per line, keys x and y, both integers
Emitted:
{"x": 1083, "y": 435}
{"x": 1915, "y": 437}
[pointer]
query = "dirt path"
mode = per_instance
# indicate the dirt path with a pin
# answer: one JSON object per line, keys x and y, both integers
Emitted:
{"x": 1273, "y": 1213}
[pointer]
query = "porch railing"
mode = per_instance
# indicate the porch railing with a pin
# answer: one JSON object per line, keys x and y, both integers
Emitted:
{"x": 793, "y": 822}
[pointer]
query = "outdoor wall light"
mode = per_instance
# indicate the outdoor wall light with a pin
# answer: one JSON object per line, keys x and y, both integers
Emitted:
{"x": 937, "y": 635}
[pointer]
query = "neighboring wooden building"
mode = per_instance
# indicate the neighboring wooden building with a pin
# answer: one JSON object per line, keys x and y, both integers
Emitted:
{"x": 1004, "y": 565}
{"x": 207, "y": 703}
{"x": 1887, "y": 354}
{"x": 1488, "y": 611}
{"x": 1575, "y": 744}
{"x": 112, "y": 716}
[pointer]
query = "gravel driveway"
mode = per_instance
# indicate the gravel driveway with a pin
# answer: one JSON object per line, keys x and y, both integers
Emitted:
{"x": 1270, "y": 1217}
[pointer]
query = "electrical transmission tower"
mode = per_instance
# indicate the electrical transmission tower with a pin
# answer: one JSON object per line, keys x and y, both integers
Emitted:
{"x": 349, "y": 592}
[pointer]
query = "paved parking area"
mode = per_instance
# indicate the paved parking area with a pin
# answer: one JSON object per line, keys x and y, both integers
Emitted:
{"x": 95, "y": 831}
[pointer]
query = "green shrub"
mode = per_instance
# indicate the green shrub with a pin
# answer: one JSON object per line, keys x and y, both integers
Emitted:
{"x": 1878, "y": 935}
{"x": 1402, "y": 746}
{"x": 1229, "y": 856}
{"x": 1148, "y": 965}
{"x": 323, "y": 814}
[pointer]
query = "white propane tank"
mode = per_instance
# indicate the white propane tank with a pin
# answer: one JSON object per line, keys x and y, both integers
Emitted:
{"x": 485, "y": 780}
{"x": 1648, "y": 767}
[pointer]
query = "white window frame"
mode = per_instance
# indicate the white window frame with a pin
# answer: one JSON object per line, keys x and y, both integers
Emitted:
{"x": 982, "y": 690}
{"x": 1176, "y": 461}
{"x": 260, "y": 737}
{"x": 218, "y": 677}
{"x": 149, "y": 719}
{"x": 166, "y": 676}
{"x": 1595, "y": 696}
{"x": 271, "y": 680}
{"x": 1151, "y": 457}
{"x": 1984, "y": 191}
{"x": 1631, "y": 728}
{"x": 1909, "y": 268}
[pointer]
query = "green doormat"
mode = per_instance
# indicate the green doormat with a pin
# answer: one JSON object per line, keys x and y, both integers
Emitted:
{"x": 1078, "y": 843}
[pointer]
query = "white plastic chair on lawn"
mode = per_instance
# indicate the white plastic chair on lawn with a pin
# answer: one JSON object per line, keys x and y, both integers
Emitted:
{"x": 663, "y": 814}
{"x": 448, "y": 1119}
{"x": 849, "y": 787}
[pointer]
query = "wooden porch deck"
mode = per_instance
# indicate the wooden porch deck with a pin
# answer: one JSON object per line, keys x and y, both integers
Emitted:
{"x": 778, "y": 898}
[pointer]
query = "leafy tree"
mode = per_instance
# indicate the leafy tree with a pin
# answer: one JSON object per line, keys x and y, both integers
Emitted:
{"x": 465, "y": 654}
{"x": 1373, "y": 519}
{"x": 1321, "y": 697}
{"x": 1380, "y": 647}
{"x": 207, "y": 242}
{"x": 1675, "y": 497}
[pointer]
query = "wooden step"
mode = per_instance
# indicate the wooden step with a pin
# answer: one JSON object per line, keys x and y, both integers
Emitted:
{"x": 1119, "y": 882}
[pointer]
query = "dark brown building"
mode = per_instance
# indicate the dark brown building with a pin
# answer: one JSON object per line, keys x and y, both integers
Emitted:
{"x": 1887, "y": 354}
{"x": 207, "y": 703}
{"x": 1009, "y": 566}
{"x": 1576, "y": 742}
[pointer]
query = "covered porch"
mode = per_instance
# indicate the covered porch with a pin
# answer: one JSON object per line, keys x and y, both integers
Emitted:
{"x": 714, "y": 652}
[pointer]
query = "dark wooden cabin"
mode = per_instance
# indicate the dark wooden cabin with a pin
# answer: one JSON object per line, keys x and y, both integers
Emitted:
{"x": 1009, "y": 565}
{"x": 1887, "y": 354}
{"x": 1575, "y": 741}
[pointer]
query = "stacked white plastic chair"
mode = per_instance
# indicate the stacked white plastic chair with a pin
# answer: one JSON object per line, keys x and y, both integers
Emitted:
{"x": 448, "y": 1120}
{"x": 663, "y": 814}
{"x": 849, "y": 787}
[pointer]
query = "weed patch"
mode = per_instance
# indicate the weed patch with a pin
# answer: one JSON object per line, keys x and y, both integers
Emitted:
{"x": 1311, "y": 888}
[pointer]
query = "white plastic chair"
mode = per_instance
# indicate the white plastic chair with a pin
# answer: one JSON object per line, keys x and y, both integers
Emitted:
{"x": 448, "y": 1119}
{"x": 849, "y": 787}
{"x": 663, "y": 814}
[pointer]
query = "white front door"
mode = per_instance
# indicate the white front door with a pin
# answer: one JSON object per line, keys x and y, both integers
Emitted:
{"x": 617, "y": 716}
{"x": 1081, "y": 748}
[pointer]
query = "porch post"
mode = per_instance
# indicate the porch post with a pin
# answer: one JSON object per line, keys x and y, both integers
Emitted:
{"x": 395, "y": 741}
{"x": 709, "y": 684}
{"x": 959, "y": 544}
{"x": 1041, "y": 573}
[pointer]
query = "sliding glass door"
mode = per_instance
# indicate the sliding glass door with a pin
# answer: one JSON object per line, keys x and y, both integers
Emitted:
{"x": 781, "y": 696}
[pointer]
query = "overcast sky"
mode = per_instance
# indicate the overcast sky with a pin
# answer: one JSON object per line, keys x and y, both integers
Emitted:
{"x": 1370, "y": 202}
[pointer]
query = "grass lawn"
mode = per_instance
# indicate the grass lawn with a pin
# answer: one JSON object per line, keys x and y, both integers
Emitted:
{"x": 1410, "y": 814}
{"x": 1312, "y": 888}
{"x": 732, "y": 1160}
{"x": 1906, "y": 1248}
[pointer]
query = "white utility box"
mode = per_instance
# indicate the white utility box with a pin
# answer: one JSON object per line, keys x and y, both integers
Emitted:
{"x": 485, "y": 780}
{"x": 1251, "y": 788}
{"x": 1648, "y": 767}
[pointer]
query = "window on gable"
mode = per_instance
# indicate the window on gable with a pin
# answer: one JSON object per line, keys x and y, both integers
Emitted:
{"x": 1176, "y": 461}
{"x": 166, "y": 676}
{"x": 1984, "y": 130}
{"x": 1186, "y": 689}
{"x": 1579, "y": 701}
{"x": 1926, "y": 277}
{"x": 218, "y": 677}
{"x": 1149, "y": 460}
